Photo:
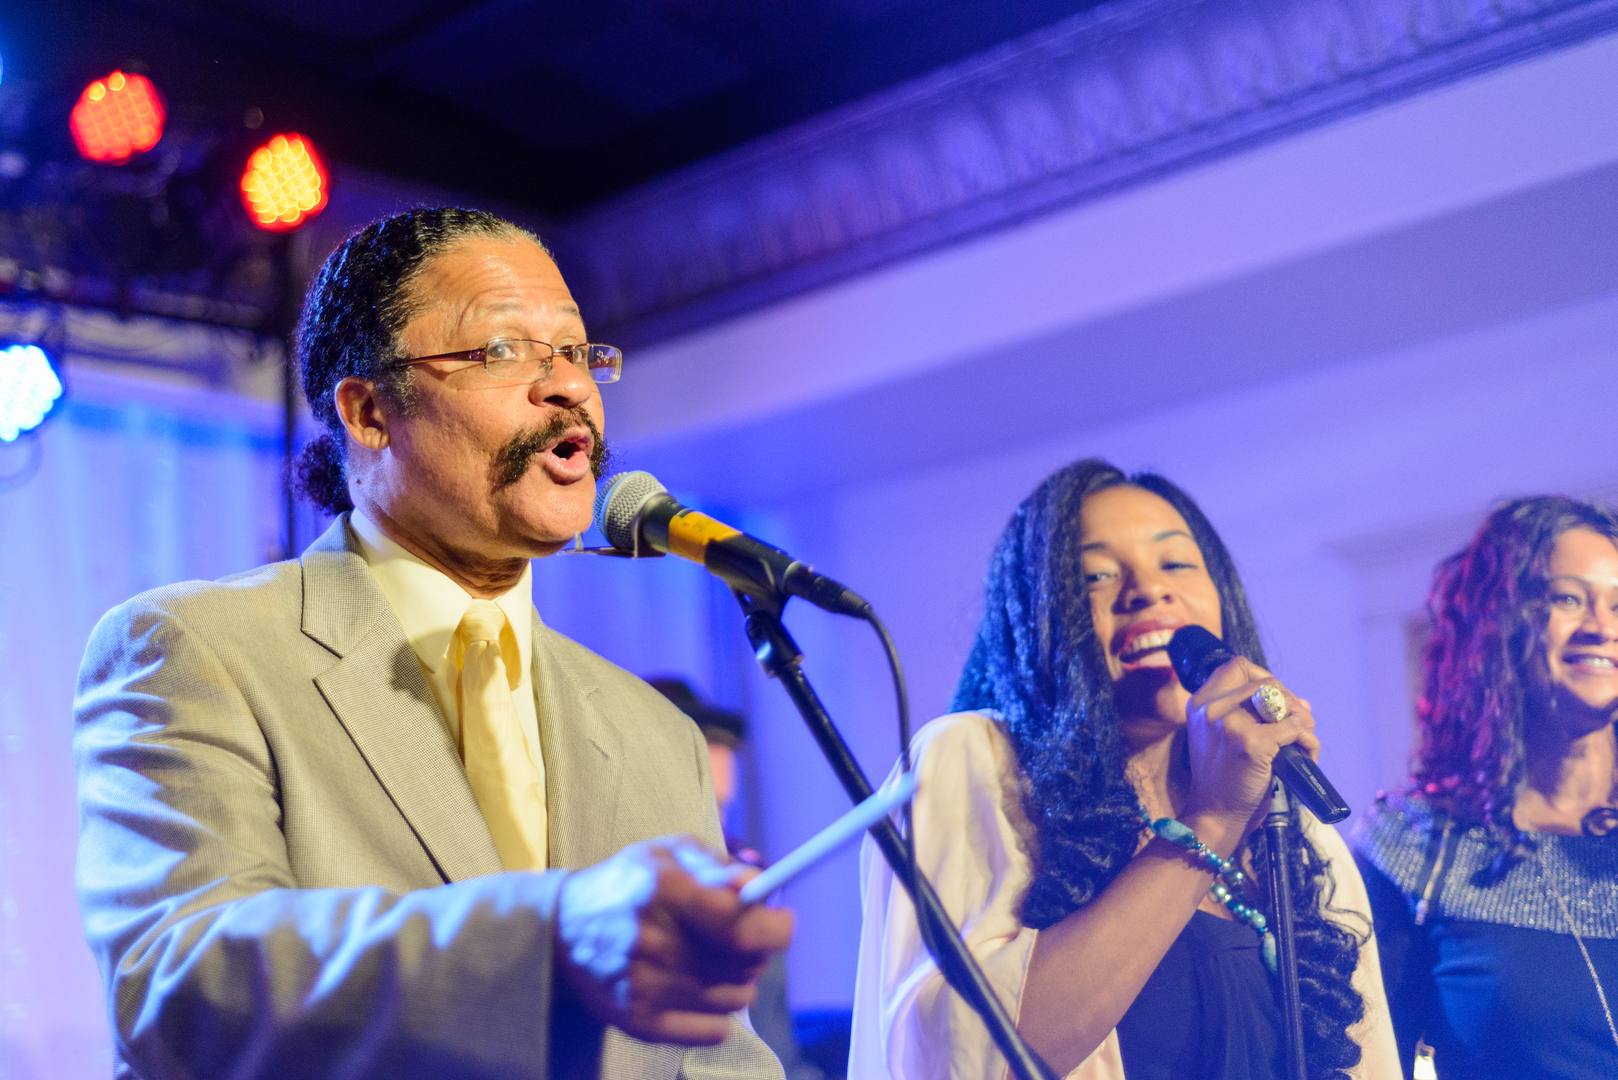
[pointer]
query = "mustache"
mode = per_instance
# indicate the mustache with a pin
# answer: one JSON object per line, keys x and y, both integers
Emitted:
{"x": 511, "y": 463}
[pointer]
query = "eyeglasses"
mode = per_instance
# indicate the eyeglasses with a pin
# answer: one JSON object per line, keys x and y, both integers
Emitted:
{"x": 519, "y": 360}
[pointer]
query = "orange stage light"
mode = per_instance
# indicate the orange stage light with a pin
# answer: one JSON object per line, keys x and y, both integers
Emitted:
{"x": 285, "y": 183}
{"x": 116, "y": 118}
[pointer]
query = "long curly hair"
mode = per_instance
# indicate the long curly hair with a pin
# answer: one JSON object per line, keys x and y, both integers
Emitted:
{"x": 1038, "y": 662}
{"x": 1485, "y": 663}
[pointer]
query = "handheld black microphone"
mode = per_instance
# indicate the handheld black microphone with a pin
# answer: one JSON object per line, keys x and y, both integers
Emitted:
{"x": 1195, "y": 654}
{"x": 641, "y": 519}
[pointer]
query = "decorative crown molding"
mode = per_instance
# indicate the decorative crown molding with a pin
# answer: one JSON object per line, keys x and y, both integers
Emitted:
{"x": 1124, "y": 93}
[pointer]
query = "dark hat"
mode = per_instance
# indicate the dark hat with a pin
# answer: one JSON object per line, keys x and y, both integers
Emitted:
{"x": 718, "y": 726}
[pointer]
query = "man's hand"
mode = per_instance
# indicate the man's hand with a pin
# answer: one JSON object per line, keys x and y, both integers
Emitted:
{"x": 654, "y": 941}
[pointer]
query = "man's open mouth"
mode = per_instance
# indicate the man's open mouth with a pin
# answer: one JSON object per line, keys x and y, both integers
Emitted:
{"x": 575, "y": 443}
{"x": 565, "y": 438}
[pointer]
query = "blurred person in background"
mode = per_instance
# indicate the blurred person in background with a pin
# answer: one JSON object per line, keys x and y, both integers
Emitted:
{"x": 1494, "y": 877}
{"x": 1046, "y": 807}
{"x": 724, "y": 732}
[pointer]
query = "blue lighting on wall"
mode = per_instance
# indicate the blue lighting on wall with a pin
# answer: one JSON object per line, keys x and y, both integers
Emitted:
{"x": 29, "y": 389}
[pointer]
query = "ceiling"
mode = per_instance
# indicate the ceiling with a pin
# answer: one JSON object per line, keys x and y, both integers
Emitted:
{"x": 547, "y": 104}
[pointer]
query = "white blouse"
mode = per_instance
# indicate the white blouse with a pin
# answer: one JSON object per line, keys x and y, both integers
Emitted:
{"x": 973, "y": 842}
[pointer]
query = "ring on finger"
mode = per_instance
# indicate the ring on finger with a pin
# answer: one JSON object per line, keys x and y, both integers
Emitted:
{"x": 1270, "y": 704}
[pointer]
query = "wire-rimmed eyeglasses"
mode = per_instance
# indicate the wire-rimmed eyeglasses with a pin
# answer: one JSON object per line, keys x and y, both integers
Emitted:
{"x": 521, "y": 360}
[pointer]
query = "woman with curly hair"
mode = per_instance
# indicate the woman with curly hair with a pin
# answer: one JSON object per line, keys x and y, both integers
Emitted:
{"x": 1044, "y": 820}
{"x": 1493, "y": 880}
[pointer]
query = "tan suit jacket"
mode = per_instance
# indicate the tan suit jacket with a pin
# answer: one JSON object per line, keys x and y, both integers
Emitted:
{"x": 284, "y": 872}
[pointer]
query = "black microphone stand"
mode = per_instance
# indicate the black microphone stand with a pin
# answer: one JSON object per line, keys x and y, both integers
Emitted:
{"x": 1286, "y": 941}
{"x": 781, "y": 659}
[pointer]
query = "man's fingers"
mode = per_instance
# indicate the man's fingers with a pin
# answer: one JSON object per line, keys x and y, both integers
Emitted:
{"x": 656, "y": 941}
{"x": 724, "y": 998}
{"x": 696, "y": 888}
{"x": 761, "y": 929}
{"x": 652, "y": 988}
{"x": 711, "y": 932}
{"x": 717, "y": 916}
{"x": 708, "y": 965}
{"x": 684, "y": 1028}
{"x": 649, "y": 992}
{"x": 704, "y": 868}
{"x": 688, "y": 1020}
{"x": 741, "y": 952}
{"x": 739, "y": 958}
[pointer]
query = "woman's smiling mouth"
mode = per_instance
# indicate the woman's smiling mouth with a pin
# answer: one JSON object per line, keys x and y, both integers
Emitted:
{"x": 1140, "y": 643}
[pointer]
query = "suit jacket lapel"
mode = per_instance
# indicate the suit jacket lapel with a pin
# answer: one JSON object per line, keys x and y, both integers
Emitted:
{"x": 583, "y": 755}
{"x": 382, "y": 699}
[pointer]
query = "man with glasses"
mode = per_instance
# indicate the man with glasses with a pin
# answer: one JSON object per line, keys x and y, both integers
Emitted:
{"x": 361, "y": 813}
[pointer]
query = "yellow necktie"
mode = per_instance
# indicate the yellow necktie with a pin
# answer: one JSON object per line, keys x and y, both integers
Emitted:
{"x": 508, "y": 784}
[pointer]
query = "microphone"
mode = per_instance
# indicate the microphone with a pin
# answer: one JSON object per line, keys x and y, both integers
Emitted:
{"x": 640, "y": 519}
{"x": 1195, "y": 654}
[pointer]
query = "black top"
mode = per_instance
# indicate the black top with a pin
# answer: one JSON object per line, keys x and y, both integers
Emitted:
{"x": 1484, "y": 967}
{"x": 1493, "y": 1001}
{"x": 1209, "y": 1011}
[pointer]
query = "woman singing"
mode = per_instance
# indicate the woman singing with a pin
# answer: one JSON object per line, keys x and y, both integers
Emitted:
{"x": 1045, "y": 819}
{"x": 1494, "y": 881}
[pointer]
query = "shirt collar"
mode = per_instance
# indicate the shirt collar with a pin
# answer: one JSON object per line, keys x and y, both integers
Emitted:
{"x": 430, "y": 604}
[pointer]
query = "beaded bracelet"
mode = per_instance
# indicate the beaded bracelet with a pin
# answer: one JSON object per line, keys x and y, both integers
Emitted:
{"x": 1227, "y": 875}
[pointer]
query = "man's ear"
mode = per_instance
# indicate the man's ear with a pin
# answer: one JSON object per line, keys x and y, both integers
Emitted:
{"x": 362, "y": 413}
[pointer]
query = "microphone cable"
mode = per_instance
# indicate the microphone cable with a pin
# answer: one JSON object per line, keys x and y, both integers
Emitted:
{"x": 902, "y": 700}
{"x": 957, "y": 976}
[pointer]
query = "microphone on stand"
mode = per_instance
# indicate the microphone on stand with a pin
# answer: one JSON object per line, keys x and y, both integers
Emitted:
{"x": 640, "y": 519}
{"x": 1196, "y": 654}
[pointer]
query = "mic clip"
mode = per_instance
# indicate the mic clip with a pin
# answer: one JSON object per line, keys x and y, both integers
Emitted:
{"x": 612, "y": 552}
{"x": 637, "y": 551}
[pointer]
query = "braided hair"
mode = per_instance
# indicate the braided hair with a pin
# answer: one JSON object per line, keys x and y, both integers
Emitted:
{"x": 357, "y": 305}
{"x": 1038, "y": 662}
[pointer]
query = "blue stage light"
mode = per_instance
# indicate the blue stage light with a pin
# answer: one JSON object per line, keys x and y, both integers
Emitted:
{"x": 29, "y": 389}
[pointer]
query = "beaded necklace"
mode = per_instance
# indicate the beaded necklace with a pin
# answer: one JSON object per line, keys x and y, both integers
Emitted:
{"x": 1227, "y": 876}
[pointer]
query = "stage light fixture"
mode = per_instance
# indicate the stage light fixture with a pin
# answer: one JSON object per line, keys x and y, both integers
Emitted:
{"x": 29, "y": 389}
{"x": 285, "y": 184}
{"x": 116, "y": 118}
